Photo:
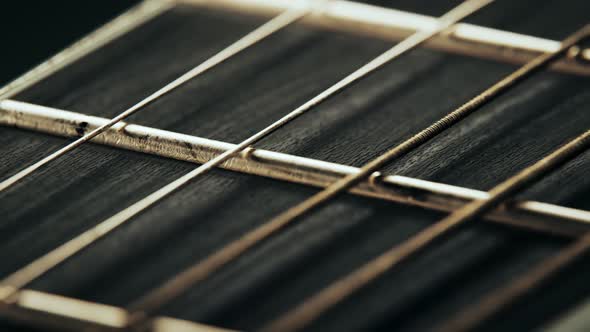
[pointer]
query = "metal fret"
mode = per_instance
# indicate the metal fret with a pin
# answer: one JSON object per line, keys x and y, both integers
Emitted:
{"x": 387, "y": 23}
{"x": 338, "y": 15}
{"x": 530, "y": 215}
{"x": 310, "y": 309}
{"x": 307, "y": 312}
{"x": 46, "y": 310}
{"x": 277, "y": 23}
{"x": 342, "y": 288}
{"x": 61, "y": 312}
{"x": 10, "y": 286}
{"x": 498, "y": 299}
{"x": 175, "y": 286}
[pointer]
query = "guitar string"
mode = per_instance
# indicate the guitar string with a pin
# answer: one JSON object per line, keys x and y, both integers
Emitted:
{"x": 499, "y": 299}
{"x": 565, "y": 257}
{"x": 336, "y": 292}
{"x": 10, "y": 285}
{"x": 576, "y": 249}
{"x": 141, "y": 308}
{"x": 203, "y": 269}
{"x": 277, "y": 23}
{"x": 495, "y": 301}
{"x": 310, "y": 309}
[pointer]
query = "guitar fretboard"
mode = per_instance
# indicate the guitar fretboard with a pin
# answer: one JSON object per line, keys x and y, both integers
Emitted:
{"x": 452, "y": 139}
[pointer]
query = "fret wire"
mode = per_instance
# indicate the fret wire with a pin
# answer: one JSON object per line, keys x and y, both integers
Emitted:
{"x": 374, "y": 21}
{"x": 313, "y": 307}
{"x": 548, "y": 267}
{"x": 174, "y": 287}
{"x": 577, "y": 251}
{"x": 530, "y": 215}
{"x": 38, "y": 309}
{"x": 495, "y": 301}
{"x": 279, "y": 22}
{"x": 222, "y": 257}
{"x": 10, "y": 285}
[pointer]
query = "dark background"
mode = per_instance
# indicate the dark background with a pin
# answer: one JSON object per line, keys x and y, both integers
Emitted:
{"x": 32, "y": 31}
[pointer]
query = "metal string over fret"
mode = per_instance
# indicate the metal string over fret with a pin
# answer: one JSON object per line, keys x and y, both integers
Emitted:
{"x": 496, "y": 300}
{"x": 34, "y": 307}
{"x": 11, "y": 285}
{"x": 265, "y": 30}
{"x": 225, "y": 255}
{"x": 310, "y": 309}
{"x": 175, "y": 286}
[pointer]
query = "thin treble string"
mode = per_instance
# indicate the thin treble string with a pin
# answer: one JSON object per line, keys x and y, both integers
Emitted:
{"x": 171, "y": 289}
{"x": 313, "y": 307}
{"x": 10, "y": 285}
{"x": 265, "y": 30}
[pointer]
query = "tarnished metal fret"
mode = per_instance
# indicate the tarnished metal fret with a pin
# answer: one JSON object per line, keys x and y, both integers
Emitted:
{"x": 143, "y": 307}
{"x": 46, "y": 309}
{"x": 360, "y": 277}
{"x": 10, "y": 286}
{"x": 530, "y": 215}
{"x": 498, "y": 299}
{"x": 272, "y": 26}
{"x": 393, "y": 24}
{"x": 311, "y": 308}
{"x": 62, "y": 313}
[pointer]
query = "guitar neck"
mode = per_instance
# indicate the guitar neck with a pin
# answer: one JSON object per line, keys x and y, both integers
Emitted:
{"x": 109, "y": 224}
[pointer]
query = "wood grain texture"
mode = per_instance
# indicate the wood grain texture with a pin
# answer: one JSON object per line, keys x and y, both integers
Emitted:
{"x": 239, "y": 98}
